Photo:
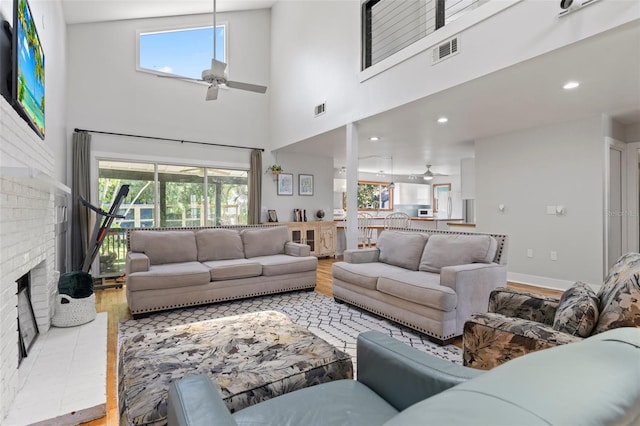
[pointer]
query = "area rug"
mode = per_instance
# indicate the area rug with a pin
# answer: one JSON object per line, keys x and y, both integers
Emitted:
{"x": 338, "y": 324}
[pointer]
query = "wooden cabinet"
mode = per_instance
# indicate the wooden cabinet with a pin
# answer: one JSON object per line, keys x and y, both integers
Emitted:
{"x": 327, "y": 239}
{"x": 320, "y": 236}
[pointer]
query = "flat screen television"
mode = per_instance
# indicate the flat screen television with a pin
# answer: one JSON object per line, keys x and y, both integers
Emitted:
{"x": 28, "y": 68}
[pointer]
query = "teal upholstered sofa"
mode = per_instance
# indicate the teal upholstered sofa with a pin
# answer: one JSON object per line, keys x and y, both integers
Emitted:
{"x": 592, "y": 382}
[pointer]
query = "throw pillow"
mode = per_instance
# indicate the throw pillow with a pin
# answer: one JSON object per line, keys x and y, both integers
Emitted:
{"x": 402, "y": 249}
{"x": 444, "y": 250}
{"x": 577, "y": 312}
{"x": 620, "y": 295}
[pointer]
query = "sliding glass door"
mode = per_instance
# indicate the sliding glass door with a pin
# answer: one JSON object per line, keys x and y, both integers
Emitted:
{"x": 167, "y": 195}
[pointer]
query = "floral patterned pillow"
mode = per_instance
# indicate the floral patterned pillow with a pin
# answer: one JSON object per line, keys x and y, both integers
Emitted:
{"x": 577, "y": 312}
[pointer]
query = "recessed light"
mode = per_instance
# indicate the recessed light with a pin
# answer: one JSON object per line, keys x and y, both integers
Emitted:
{"x": 571, "y": 85}
{"x": 374, "y": 138}
{"x": 442, "y": 120}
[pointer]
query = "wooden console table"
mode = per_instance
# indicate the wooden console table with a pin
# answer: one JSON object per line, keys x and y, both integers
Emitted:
{"x": 321, "y": 236}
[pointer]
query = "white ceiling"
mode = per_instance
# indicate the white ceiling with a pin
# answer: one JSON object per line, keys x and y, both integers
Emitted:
{"x": 522, "y": 96}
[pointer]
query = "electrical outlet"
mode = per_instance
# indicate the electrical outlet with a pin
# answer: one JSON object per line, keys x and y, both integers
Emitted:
{"x": 529, "y": 253}
{"x": 553, "y": 255}
{"x": 551, "y": 209}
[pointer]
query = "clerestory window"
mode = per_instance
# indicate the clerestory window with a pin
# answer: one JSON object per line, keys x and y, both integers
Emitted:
{"x": 184, "y": 52}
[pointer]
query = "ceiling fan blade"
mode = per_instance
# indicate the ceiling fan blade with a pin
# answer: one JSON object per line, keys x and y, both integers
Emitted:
{"x": 212, "y": 93}
{"x": 246, "y": 86}
{"x": 218, "y": 68}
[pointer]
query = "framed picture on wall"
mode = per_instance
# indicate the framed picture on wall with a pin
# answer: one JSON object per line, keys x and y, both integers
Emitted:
{"x": 305, "y": 184}
{"x": 285, "y": 184}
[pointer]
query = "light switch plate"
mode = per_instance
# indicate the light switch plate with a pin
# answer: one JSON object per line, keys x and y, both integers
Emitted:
{"x": 553, "y": 255}
{"x": 551, "y": 209}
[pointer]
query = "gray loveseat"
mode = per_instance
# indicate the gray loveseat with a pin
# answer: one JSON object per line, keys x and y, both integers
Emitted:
{"x": 428, "y": 280}
{"x": 168, "y": 269}
{"x": 593, "y": 382}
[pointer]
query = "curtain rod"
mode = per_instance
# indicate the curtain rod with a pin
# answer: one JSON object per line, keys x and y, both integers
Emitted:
{"x": 167, "y": 139}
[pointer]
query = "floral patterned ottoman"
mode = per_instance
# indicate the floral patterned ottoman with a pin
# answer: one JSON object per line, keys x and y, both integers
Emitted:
{"x": 253, "y": 357}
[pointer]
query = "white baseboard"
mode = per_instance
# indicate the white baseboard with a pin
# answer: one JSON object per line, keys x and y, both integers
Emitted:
{"x": 544, "y": 282}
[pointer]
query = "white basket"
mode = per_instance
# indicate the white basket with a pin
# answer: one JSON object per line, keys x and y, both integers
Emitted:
{"x": 75, "y": 312}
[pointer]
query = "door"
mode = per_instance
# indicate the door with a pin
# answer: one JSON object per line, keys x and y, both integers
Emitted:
{"x": 616, "y": 235}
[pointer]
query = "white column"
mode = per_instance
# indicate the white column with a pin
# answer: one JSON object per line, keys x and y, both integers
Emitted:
{"x": 351, "y": 232}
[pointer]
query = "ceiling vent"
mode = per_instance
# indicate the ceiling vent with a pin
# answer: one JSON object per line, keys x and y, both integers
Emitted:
{"x": 320, "y": 109}
{"x": 445, "y": 50}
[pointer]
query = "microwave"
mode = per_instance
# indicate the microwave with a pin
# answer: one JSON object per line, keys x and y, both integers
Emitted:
{"x": 425, "y": 213}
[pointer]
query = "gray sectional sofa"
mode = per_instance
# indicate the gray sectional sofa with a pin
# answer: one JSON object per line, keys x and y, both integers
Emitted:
{"x": 428, "y": 280}
{"x": 168, "y": 269}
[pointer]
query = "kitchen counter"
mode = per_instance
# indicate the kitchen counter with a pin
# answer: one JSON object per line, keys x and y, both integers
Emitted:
{"x": 378, "y": 225}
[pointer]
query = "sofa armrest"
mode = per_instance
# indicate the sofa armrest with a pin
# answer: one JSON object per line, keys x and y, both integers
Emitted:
{"x": 367, "y": 255}
{"x": 401, "y": 374}
{"x": 520, "y": 304}
{"x": 492, "y": 339}
{"x": 472, "y": 283}
{"x": 196, "y": 401}
{"x": 297, "y": 249}
{"x": 137, "y": 262}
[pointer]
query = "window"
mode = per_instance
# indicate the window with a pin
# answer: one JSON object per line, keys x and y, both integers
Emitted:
{"x": 167, "y": 195}
{"x": 183, "y": 52}
{"x": 375, "y": 195}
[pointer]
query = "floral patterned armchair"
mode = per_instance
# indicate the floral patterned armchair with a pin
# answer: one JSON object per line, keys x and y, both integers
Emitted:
{"x": 518, "y": 322}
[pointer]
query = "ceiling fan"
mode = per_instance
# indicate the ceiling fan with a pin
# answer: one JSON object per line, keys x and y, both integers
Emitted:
{"x": 215, "y": 75}
{"x": 428, "y": 175}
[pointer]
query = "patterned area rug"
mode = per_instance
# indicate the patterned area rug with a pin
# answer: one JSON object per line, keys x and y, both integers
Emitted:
{"x": 338, "y": 324}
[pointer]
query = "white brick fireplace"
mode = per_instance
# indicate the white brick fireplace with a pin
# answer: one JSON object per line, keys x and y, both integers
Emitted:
{"x": 27, "y": 237}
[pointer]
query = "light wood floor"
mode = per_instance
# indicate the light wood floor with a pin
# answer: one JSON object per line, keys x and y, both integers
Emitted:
{"x": 114, "y": 302}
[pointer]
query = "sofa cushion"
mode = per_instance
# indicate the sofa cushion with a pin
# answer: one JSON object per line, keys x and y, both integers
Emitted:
{"x": 169, "y": 275}
{"x": 230, "y": 269}
{"x": 219, "y": 244}
{"x": 620, "y": 295}
{"x": 165, "y": 246}
{"x": 419, "y": 287}
{"x": 452, "y": 250}
{"x": 340, "y": 402}
{"x": 403, "y": 249}
{"x": 264, "y": 241}
{"x": 363, "y": 275}
{"x": 281, "y": 264}
{"x": 577, "y": 312}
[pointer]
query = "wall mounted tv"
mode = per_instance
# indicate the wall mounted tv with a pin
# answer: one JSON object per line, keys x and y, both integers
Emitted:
{"x": 28, "y": 68}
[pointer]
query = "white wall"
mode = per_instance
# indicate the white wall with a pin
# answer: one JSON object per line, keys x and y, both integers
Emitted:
{"x": 26, "y": 203}
{"x": 313, "y": 64}
{"x": 322, "y": 170}
{"x": 315, "y": 58}
{"x": 107, "y": 93}
{"x": 529, "y": 170}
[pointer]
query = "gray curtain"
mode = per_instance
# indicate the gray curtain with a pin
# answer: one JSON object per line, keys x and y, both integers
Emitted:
{"x": 255, "y": 187}
{"x": 80, "y": 186}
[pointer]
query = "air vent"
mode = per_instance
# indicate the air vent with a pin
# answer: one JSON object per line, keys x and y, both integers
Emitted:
{"x": 320, "y": 109}
{"x": 445, "y": 50}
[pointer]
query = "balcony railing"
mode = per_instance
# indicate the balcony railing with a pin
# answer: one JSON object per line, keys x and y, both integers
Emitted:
{"x": 389, "y": 26}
